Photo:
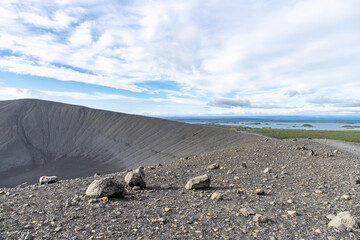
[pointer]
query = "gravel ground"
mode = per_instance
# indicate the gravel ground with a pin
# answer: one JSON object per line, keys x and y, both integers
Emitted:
{"x": 311, "y": 185}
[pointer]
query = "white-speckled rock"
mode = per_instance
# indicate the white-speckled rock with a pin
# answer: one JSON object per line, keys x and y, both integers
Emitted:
{"x": 344, "y": 218}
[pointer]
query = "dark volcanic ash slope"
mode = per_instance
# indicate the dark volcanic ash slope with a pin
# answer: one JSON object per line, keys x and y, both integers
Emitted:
{"x": 40, "y": 138}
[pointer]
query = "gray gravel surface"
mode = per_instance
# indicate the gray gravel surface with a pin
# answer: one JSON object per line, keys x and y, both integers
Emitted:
{"x": 312, "y": 186}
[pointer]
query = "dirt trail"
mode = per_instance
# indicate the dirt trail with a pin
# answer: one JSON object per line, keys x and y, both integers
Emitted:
{"x": 348, "y": 147}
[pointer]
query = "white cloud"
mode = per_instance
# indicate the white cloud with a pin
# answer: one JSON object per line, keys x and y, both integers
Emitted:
{"x": 21, "y": 65}
{"x": 60, "y": 20}
{"x": 273, "y": 53}
{"x": 344, "y": 102}
{"x": 86, "y": 96}
{"x": 81, "y": 36}
{"x": 14, "y": 93}
{"x": 179, "y": 100}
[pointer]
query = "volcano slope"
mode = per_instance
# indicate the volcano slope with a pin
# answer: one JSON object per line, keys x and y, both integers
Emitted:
{"x": 48, "y": 138}
{"x": 312, "y": 185}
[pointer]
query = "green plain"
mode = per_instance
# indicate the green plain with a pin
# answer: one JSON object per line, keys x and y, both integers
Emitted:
{"x": 349, "y": 136}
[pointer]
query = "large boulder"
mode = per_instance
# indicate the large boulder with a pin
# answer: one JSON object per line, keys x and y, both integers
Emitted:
{"x": 106, "y": 187}
{"x": 136, "y": 178}
{"x": 48, "y": 179}
{"x": 198, "y": 182}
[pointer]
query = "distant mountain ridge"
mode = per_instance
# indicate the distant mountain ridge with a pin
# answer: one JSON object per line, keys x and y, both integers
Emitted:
{"x": 40, "y": 137}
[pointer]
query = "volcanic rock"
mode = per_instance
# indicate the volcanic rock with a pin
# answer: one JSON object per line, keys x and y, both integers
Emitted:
{"x": 267, "y": 170}
{"x": 345, "y": 219}
{"x": 259, "y": 191}
{"x": 106, "y": 187}
{"x": 213, "y": 166}
{"x": 217, "y": 196}
{"x": 136, "y": 178}
{"x": 260, "y": 218}
{"x": 198, "y": 182}
{"x": 346, "y": 197}
{"x": 28, "y": 236}
{"x": 247, "y": 211}
{"x": 48, "y": 179}
{"x": 165, "y": 186}
{"x": 292, "y": 213}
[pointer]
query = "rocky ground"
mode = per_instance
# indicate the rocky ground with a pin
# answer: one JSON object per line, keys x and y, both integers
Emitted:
{"x": 306, "y": 184}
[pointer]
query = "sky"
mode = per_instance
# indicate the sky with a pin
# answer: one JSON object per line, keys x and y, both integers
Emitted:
{"x": 184, "y": 57}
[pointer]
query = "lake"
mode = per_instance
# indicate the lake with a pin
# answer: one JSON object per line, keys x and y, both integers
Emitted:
{"x": 308, "y": 123}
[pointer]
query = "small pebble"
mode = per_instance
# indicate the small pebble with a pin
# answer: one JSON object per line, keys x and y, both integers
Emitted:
{"x": 292, "y": 213}
{"x": 260, "y": 218}
{"x": 217, "y": 196}
{"x": 246, "y": 211}
{"x": 267, "y": 170}
{"x": 259, "y": 191}
{"x": 346, "y": 197}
